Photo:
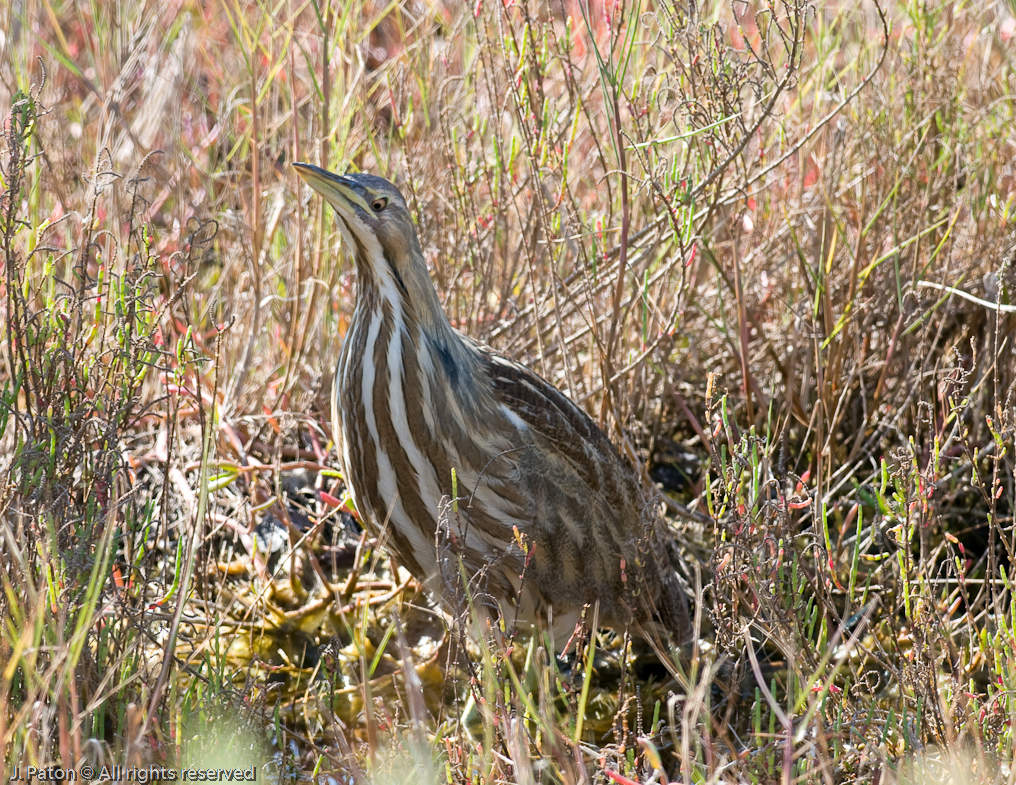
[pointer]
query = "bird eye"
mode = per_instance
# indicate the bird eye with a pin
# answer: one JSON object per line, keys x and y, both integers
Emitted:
{"x": 379, "y": 204}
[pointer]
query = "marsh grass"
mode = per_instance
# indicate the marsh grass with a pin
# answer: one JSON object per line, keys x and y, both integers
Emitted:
{"x": 768, "y": 246}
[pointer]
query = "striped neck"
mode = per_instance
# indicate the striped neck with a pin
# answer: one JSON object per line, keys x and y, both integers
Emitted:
{"x": 405, "y": 295}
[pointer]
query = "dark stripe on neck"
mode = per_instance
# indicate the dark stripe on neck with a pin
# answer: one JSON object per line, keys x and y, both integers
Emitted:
{"x": 398, "y": 280}
{"x": 451, "y": 367}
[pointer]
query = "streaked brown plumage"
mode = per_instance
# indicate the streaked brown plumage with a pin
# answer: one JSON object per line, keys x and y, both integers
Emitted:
{"x": 414, "y": 399}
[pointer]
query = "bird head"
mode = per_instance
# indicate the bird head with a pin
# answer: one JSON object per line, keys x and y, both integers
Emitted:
{"x": 375, "y": 224}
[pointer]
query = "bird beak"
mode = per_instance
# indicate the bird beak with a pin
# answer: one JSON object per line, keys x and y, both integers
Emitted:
{"x": 340, "y": 192}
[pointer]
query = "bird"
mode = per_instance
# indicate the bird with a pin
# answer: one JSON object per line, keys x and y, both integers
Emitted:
{"x": 549, "y": 524}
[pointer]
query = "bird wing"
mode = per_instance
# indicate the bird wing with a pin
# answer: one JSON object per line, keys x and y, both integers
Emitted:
{"x": 598, "y": 495}
{"x": 585, "y": 501}
{"x": 554, "y": 418}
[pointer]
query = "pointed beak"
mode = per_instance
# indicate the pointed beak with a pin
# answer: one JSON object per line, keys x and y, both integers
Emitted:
{"x": 340, "y": 192}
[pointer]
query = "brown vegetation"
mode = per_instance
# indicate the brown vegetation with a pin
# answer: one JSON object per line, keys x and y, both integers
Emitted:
{"x": 769, "y": 246}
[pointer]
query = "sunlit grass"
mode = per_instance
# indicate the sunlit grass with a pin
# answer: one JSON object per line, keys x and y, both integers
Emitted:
{"x": 738, "y": 231}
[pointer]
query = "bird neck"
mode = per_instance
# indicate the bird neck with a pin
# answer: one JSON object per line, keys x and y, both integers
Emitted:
{"x": 406, "y": 295}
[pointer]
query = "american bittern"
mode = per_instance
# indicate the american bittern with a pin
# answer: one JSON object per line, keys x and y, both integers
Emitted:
{"x": 550, "y": 518}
